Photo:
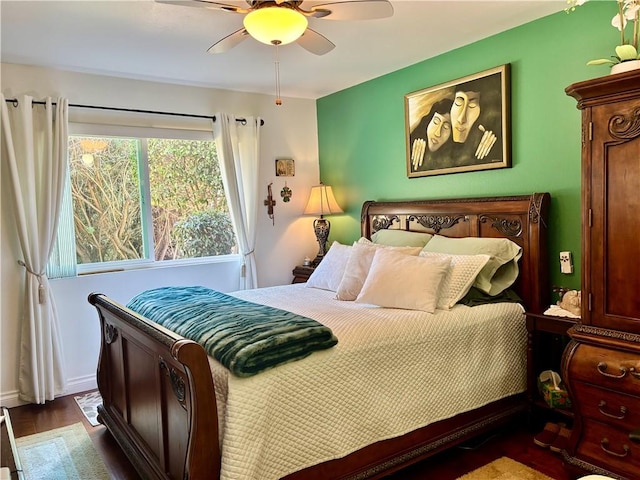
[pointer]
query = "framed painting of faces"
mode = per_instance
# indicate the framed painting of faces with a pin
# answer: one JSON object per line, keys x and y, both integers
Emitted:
{"x": 459, "y": 126}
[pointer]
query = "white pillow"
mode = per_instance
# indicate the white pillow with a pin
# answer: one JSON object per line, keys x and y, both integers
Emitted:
{"x": 398, "y": 280}
{"x": 358, "y": 267}
{"x": 460, "y": 277}
{"x": 502, "y": 269}
{"x": 328, "y": 274}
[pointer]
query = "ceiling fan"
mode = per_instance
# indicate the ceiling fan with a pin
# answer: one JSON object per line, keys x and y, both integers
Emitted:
{"x": 278, "y": 22}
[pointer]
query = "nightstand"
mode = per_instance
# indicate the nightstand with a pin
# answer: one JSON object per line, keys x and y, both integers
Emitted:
{"x": 547, "y": 338}
{"x": 302, "y": 273}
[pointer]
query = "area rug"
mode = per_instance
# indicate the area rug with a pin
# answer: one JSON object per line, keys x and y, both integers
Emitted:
{"x": 88, "y": 403}
{"x": 504, "y": 469}
{"x": 65, "y": 453}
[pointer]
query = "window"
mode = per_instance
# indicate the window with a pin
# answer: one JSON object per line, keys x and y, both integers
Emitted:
{"x": 142, "y": 199}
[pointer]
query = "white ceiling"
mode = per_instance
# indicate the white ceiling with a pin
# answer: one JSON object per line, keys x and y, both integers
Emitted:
{"x": 147, "y": 40}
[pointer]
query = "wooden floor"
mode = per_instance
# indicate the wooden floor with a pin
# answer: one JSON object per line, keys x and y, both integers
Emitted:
{"x": 515, "y": 442}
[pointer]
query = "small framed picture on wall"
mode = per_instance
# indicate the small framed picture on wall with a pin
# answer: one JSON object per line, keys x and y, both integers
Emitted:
{"x": 285, "y": 167}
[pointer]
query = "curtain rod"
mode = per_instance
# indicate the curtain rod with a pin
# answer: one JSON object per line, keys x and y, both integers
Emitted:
{"x": 14, "y": 101}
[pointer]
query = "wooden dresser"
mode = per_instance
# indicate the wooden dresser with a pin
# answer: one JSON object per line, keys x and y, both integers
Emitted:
{"x": 601, "y": 364}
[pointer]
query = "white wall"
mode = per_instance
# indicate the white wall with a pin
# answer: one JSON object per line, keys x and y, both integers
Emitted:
{"x": 290, "y": 131}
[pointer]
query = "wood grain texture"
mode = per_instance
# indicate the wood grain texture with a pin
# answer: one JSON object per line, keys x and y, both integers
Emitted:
{"x": 601, "y": 363}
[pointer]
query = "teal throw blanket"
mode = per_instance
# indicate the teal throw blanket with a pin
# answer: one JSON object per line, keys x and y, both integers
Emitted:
{"x": 245, "y": 337}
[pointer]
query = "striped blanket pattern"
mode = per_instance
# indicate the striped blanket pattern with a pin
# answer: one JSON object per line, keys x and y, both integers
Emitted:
{"x": 245, "y": 337}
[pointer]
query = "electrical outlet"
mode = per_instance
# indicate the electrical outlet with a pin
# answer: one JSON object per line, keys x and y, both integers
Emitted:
{"x": 566, "y": 262}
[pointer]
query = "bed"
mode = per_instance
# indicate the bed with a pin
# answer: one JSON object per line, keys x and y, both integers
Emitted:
{"x": 170, "y": 406}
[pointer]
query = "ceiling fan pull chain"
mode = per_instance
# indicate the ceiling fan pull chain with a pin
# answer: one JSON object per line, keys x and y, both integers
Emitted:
{"x": 277, "y": 65}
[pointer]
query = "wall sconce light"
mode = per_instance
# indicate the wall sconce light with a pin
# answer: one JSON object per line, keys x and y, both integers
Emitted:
{"x": 321, "y": 202}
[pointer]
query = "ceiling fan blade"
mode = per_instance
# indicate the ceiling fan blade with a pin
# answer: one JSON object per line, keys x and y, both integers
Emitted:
{"x": 228, "y": 42}
{"x": 315, "y": 42}
{"x": 353, "y": 10}
{"x": 206, "y": 4}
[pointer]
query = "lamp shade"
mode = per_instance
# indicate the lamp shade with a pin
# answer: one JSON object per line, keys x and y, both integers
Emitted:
{"x": 275, "y": 25}
{"x": 321, "y": 201}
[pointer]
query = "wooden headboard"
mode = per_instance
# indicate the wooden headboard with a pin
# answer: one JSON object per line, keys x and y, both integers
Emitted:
{"x": 522, "y": 219}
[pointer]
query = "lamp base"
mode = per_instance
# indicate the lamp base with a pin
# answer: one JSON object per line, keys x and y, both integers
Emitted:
{"x": 321, "y": 227}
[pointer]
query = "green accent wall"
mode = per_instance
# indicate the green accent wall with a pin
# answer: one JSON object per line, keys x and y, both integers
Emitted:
{"x": 361, "y": 130}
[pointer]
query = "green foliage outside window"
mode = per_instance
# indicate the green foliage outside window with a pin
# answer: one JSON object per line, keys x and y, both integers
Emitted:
{"x": 106, "y": 199}
{"x": 188, "y": 207}
{"x": 205, "y": 234}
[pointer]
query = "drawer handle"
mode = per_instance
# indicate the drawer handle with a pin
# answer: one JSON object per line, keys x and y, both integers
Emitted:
{"x": 602, "y": 367}
{"x": 634, "y": 373}
{"x": 604, "y": 444}
{"x": 623, "y": 411}
{"x": 634, "y": 436}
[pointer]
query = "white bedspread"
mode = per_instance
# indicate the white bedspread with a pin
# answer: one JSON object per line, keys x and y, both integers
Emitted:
{"x": 391, "y": 372}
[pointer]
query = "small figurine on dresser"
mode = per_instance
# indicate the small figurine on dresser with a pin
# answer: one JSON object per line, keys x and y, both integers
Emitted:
{"x": 571, "y": 301}
{"x": 567, "y": 306}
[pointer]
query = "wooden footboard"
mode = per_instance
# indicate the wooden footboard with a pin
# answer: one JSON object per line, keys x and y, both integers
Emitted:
{"x": 158, "y": 396}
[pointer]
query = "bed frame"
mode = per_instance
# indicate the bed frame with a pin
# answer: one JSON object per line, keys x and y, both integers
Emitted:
{"x": 158, "y": 393}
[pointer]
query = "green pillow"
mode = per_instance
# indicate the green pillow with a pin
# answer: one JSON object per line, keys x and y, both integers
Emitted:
{"x": 401, "y": 238}
{"x": 476, "y": 297}
{"x": 502, "y": 269}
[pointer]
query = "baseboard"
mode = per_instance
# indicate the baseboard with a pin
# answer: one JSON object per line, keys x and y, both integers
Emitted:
{"x": 74, "y": 385}
{"x": 81, "y": 384}
{"x": 10, "y": 399}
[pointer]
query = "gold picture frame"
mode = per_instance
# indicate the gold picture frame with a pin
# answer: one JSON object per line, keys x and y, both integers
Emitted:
{"x": 459, "y": 126}
{"x": 285, "y": 167}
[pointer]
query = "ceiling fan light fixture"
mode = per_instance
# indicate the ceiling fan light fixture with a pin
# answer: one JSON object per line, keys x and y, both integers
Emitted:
{"x": 275, "y": 25}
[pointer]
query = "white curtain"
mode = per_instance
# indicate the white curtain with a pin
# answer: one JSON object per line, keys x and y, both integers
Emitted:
{"x": 34, "y": 154}
{"x": 238, "y": 145}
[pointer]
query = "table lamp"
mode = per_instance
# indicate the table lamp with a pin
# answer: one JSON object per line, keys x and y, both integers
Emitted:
{"x": 321, "y": 202}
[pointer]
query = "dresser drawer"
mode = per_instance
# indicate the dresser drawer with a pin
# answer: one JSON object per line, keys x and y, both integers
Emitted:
{"x": 605, "y": 445}
{"x": 613, "y": 369}
{"x": 606, "y": 406}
